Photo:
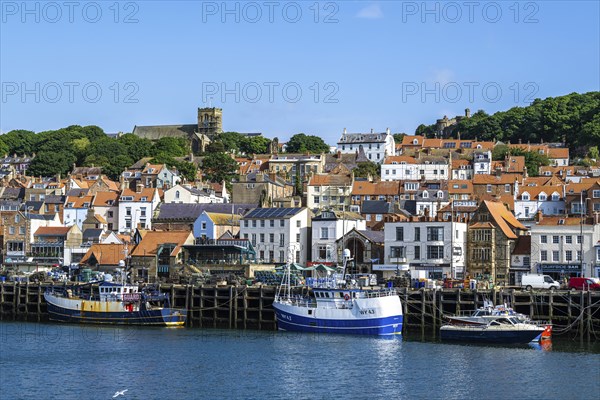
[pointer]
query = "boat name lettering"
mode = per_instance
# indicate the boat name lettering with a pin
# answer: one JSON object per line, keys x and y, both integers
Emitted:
{"x": 367, "y": 311}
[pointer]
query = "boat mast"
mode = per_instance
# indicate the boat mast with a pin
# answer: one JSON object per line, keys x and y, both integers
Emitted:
{"x": 452, "y": 240}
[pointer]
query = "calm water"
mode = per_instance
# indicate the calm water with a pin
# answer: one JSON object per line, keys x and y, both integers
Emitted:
{"x": 48, "y": 361}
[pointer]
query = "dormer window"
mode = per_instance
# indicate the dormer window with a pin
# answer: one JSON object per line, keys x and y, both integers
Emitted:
{"x": 525, "y": 196}
{"x": 144, "y": 198}
{"x": 177, "y": 194}
{"x": 151, "y": 170}
{"x": 415, "y": 141}
{"x": 425, "y": 195}
{"x": 440, "y": 194}
{"x": 555, "y": 197}
{"x": 543, "y": 197}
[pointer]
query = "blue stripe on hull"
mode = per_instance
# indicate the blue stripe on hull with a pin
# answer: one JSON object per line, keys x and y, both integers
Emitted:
{"x": 165, "y": 316}
{"x": 505, "y": 337}
{"x": 372, "y": 326}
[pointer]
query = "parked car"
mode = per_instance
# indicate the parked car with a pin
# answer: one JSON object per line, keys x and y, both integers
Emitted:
{"x": 538, "y": 281}
{"x": 581, "y": 283}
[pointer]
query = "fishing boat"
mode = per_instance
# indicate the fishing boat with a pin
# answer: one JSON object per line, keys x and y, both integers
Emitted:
{"x": 116, "y": 303}
{"x": 338, "y": 306}
{"x": 502, "y": 329}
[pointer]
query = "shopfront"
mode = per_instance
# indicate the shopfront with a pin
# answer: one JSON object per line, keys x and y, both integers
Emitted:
{"x": 560, "y": 271}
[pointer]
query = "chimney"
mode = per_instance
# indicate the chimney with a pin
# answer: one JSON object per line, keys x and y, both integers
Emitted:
{"x": 339, "y": 154}
{"x": 539, "y": 216}
{"x": 345, "y": 131}
{"x": 388, "y": 131}
{"x": 139, "y": 187}
{"x": 371, "y": 130}
{"x": 467, "y": 112}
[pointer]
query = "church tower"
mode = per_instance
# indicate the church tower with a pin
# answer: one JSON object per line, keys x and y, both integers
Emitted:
{"x": 210, "y": 121}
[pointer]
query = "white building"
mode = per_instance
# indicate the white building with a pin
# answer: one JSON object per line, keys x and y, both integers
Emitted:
{"x": 424, "y": 248}
{"x": 409, "y": 168}
{"x": 137, "y": 207}
{"x": 548, "y": 200}
{"x": 329, "y": 191}
{"x": 557, "y": 244}
{"x": 76, "y": 208}
{"x": 482, "y": 162}
{"x": 277, "y": 233}
{"x": 327, "y": 228}
{"x": 376, "y": 146}
{"x": 188, "y": 194}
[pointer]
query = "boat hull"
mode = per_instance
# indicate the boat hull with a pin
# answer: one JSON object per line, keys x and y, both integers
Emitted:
{"x": 95, "y": 312}
{"x": 472, "y": 334}
{"x": 349, "y": 321}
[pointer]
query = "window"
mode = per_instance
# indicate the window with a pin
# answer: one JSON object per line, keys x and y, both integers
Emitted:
{"x": 203, "y": 225}
{"x": 282, "y": 239}
{"x": 525, "y": 196}
{"x": 596, "y": 194}
{"x": 272, "y": 223}
{"x": 569, "y": 239}
{"x": 578, "y": 255}
{"x": 128, "y": 211}
{"x": 324, "y": 233}
{"x": 177, "y": 194}
{"x": 262, "y": 238}
{"x": 262, "y": 223}
{"x": 397, "y": 252}
{"x": 11, "y": 230}
{"x": 425, "y": 195}
{"x": 435, "y": 234}
{"x": 435, "y": 252}
{"x": 579, "y": 239}
{"x": 544, "y": 255}
{"x": 317, "y": 189}
{"x": 143, "y": 211}
{"x": 542, "y": 197}
{"x": 253, "y": 239}
{"x": 555, "y": 256}
{"x": 488, "y": 188}
{"x": 526, "y": 212}
{"x": 378, "y": 217}
{"x": 543, "y": 239}
{"x": 399, "y": 233}
{"x": 417, "y": 252}
{"x": 254, "y": 223}
{"x": 246, "y": 223}
{"x": 298, "y": 237}
{"x": 271, "y": 237}
{"x": 110, "y": 214}
{"x": 282, "y": 223}
{"x": 555, "y": 239}
{"x": 569, "y": 255}
{"x": 598, "y": 254}
{"x": 281, "y": 256}
{"x": 481, "y": 254}
{"x": 298, "y": 224}
{"x": 417, "y": 234}
{"x": 507, "y": 188}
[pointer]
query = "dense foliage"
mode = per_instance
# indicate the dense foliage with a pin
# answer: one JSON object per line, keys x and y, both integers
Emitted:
{"x": 573, "y": 119}
{"x": 218, "y": 167}
{"x": 366, "y": 169}
{"x": 57, "y": 151}
{"x": 301, "y": 143}
{"x": 234, "y": 142}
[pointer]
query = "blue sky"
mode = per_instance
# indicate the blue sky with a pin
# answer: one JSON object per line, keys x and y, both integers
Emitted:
{"x": 285, "y": 67}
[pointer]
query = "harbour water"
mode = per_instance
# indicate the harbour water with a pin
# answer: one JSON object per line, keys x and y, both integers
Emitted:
{"x": 53, "y": 361}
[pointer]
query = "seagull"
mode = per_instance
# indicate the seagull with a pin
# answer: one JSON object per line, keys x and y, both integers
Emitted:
{"x": 121, "y": 393}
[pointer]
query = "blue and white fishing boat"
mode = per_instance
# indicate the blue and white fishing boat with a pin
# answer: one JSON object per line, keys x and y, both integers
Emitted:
{"x": 117, "y": 303}
{"x": 339, "y": 307}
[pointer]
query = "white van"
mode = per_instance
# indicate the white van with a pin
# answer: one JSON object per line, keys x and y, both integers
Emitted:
{"x": 538, "y": 281}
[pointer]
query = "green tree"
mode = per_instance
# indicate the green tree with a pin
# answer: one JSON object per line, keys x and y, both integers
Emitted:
{"x": 593, "y": 153}
{"x": 301, "y": 143}
{"x": 255, "y": 145}
{"x": 3, "y": 147}
{"x": 398, "y": 137}
{"x": 175, "y": 147}
{"x": 215, "y": 147}
{"x": 366, "y": 169}
{"x": 231, "y": 141}
{"x": 218, "y": 167}
{"x": 20, "y": 141}
{"x": 136, "y": 147}
{"x": 50, "y": 164}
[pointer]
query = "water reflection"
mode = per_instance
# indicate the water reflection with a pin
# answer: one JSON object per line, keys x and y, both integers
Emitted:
{"x": 542, "y": 345}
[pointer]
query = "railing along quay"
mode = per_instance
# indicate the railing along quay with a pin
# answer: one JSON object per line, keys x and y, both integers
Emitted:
{"x": 250, "y": 307}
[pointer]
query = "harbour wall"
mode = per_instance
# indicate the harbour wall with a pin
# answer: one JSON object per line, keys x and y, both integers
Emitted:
{"x": 572, "y": 313}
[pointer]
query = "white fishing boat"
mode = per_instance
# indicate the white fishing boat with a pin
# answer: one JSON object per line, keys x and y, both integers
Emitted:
{"x": 338, "y": 306}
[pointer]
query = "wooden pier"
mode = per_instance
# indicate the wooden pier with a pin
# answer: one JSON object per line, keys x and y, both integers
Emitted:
{"x": 250, "y": 307}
